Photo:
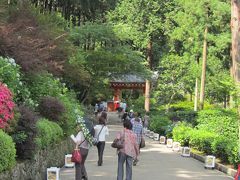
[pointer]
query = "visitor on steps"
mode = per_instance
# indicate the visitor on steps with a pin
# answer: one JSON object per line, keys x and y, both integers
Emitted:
{"x": 138, "y": 130}
{"x": 80, "y": 170}
{"x": 101, "y": 130}
{"x": 129, "y": 152}
{"x": 146, "y": 120}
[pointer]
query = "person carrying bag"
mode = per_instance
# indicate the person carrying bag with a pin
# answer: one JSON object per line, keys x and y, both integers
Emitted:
{"x": 101, "y": 130}
{"x": 129, "y": 151}
{"x": 76, "y": 154}
{"x": 79, "y": 155}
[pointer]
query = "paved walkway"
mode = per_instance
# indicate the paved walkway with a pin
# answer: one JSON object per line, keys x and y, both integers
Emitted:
{"x": 157, "y": 162}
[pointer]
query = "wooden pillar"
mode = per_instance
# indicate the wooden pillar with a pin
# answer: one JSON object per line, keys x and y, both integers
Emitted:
{"x": 116, "y": 98}
{"x": 147, "y": 96}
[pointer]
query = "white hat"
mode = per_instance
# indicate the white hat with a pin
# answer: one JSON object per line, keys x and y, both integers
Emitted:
{"x": 131, "y": 110}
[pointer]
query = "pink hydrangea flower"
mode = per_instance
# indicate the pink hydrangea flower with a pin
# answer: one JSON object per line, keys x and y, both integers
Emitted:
{"x": 6, "y": 106}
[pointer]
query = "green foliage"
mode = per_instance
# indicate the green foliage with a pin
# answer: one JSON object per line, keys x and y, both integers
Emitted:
{"x": 19, "y": 137}
{"x": 10, "y": 75}
{"x": 225, "y": 149}
{"x": 182, "y": 106}
{"x": 159, "y": 124}
{"x": 201, "y": 140}
{"x": 181, "y": 133}
{"x": 45, "y": 84}
{"x": 173, "y": 71}
{"x": 185, "y": 28}
{"x": 137, "y": 105}
{"x": 188, "y": 116}
{"x": 72, "y": 110}
{"x": 219, "y": 121}
{"x": 101, "y": 55}
{"x": 7, "y": 152}
{"x": 48, "y": 133}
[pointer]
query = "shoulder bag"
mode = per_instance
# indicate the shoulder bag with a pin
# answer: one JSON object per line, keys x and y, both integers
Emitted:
{"x": 76, "y": 154}
{"x": 118, "y": 143}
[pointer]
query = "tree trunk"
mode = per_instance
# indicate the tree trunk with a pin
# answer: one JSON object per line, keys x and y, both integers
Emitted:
{"x": 204, "y": 65}
{"x": 196, "y": 96}
{"x": 235, "y": 25}
{"x": 147, "y": 96}
{"x": 147, "y": 88}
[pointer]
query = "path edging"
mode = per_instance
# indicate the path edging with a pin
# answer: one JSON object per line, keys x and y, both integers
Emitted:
{"x": 229, "y": 171}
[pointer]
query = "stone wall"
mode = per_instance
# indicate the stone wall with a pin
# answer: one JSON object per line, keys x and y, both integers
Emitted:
{"x": 36, "y": 168}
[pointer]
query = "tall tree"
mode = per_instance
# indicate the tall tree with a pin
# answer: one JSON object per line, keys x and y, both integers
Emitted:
{"x": 142, "y": 22}
{"x": 235, "y": 25}
{"x": 186, "y": 27}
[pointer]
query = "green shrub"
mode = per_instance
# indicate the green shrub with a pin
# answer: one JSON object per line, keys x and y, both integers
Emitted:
{"x": 45, "y": 84}
{"x": 219, "y": 121}
{"x": 10, "y": 74}
{"x": 159, "y": 124}
{"x": 226, "y": 149}
{"x": 219, "y": 148}
{"x": 48, "y": 133}
{"x": 188, "y": 116}
{"x": 72, "y": 110}
{"x": 7, "y": 152}
{"x": 181, "y": 133}
{"x": 182, "y": 106}
{"x": 201, "y": 140}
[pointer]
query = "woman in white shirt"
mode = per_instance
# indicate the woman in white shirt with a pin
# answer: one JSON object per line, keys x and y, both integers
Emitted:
{"x": 101, "y": 130}
{"x": 80, "y": 171}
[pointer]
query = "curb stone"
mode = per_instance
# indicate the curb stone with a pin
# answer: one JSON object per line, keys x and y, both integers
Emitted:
{"x": 229, "y": 171}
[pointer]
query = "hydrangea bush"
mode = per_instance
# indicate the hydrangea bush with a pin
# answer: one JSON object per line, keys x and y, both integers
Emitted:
{"x": 6, "y": 106}
{"x": 10, "y": 74}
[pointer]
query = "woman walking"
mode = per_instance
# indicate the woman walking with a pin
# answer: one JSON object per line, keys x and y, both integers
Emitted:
{"x": 129, "y": 151}
{"x": 80, "y": 170}
{"x": 101, "y": 130}
{"x": 138, "y": 130}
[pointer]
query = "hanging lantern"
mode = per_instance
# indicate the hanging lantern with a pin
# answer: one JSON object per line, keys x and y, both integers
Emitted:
{"x": 53, "y": 173}
{"x": 68, "y": 162}
{"x": 162, "y": 140}
{"x": 176, "y": 146}
{"x": 169, "y": 143}
{"x": 186, "y": 152}
{"x": 210, "y": 162}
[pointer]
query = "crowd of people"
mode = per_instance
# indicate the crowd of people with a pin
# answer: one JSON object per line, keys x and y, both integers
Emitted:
{"x": 132, "y": 135}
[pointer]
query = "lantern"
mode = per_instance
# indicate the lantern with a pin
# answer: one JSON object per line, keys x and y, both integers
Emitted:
{"x": 68, "y": 162}
{"x": 169, "y": 143}
{"x": 162, "y": 139}
{"x": 210, "y": 162}
{"x": 53, "y": 173}
{"x": 151, "y": 134}
{"x": 176, "y": 146}
{"x": 186, "y": 151}
{"x": 156, "y": 137}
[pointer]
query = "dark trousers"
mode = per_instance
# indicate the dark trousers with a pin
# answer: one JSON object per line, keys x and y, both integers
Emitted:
{"x": 100, "y": 147}
{"x": 121, "y": 160}
{"x": 80, "y": 170}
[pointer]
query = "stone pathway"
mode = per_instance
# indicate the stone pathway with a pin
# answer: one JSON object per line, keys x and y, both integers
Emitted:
{"x": 157, "y": 162}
